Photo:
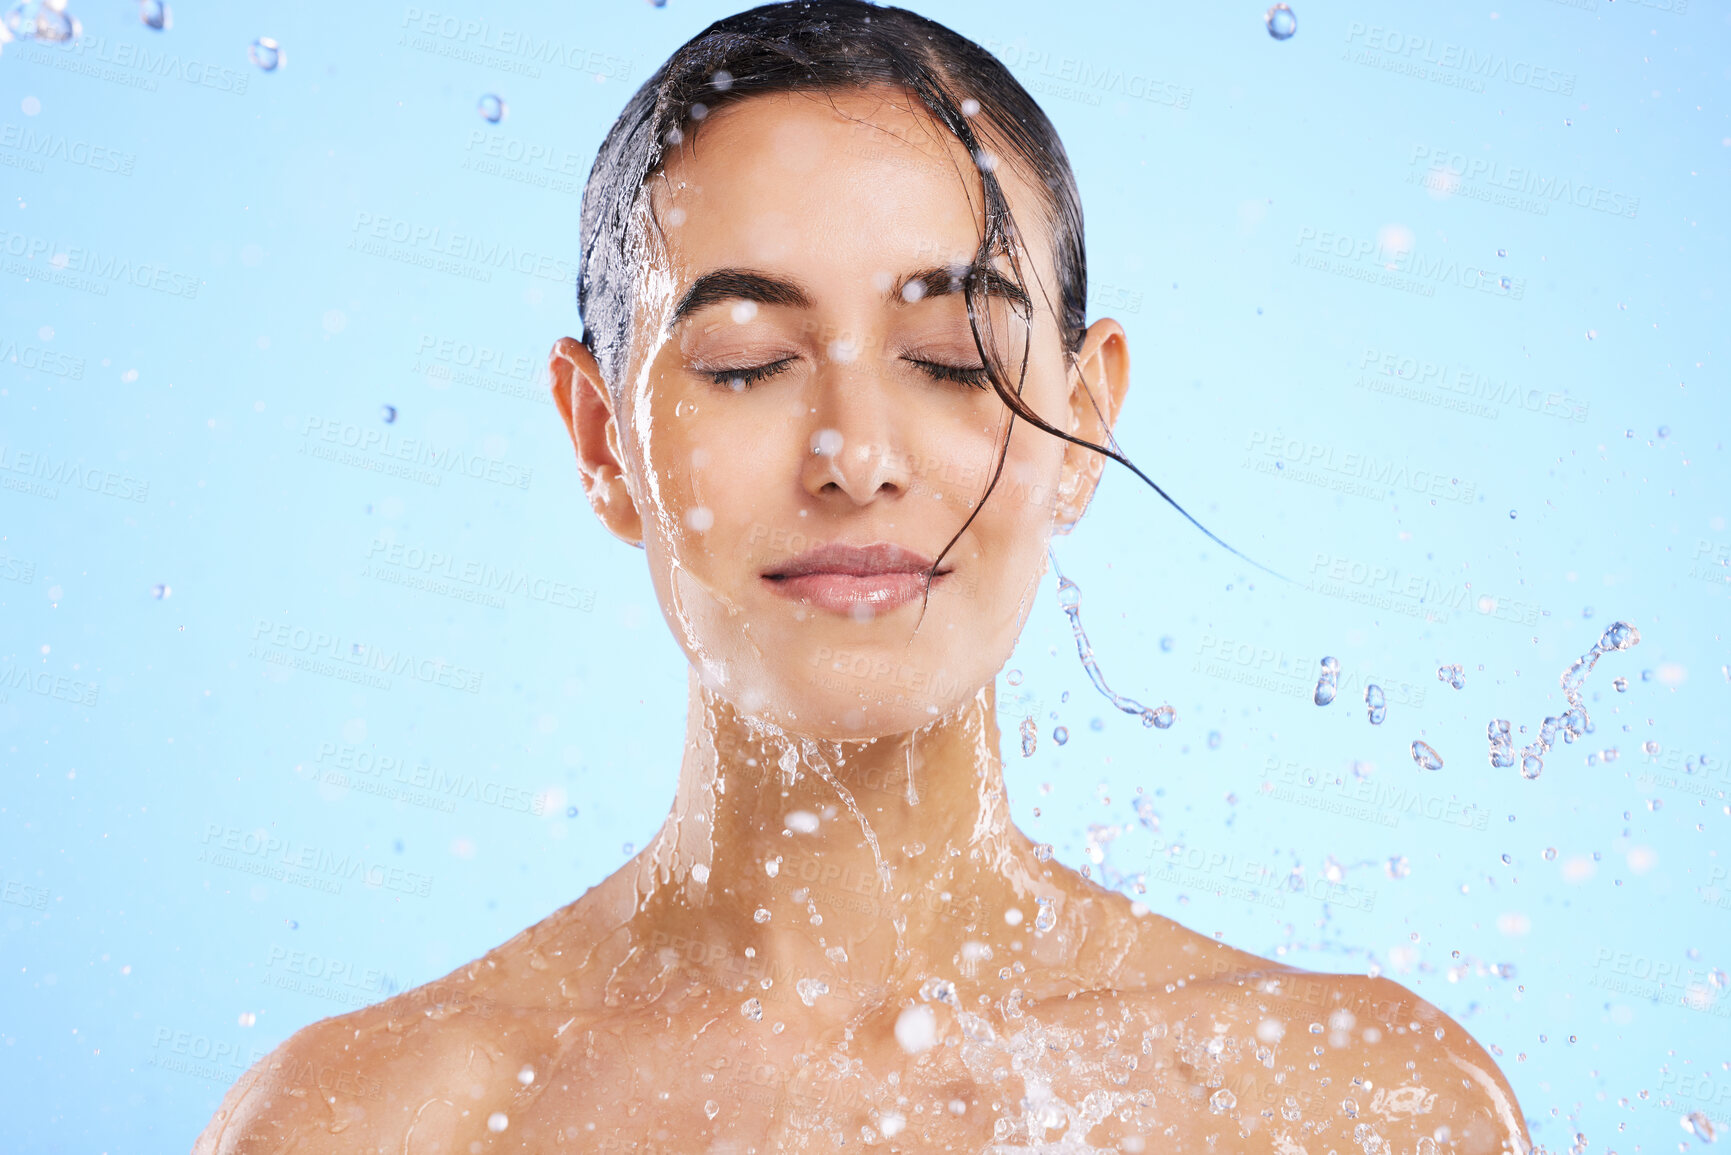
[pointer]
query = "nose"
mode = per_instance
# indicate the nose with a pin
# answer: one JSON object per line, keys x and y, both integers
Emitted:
{"x": 853, "y": 448}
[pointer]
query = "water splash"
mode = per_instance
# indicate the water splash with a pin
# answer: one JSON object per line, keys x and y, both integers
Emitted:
{"x": 1281, "y": 22}
{"x": 1426, "y": 756}
{"x": 1375, "y": 703}
{"x": 42, "y": 20}
{"x": 1327, "y": 682}
{"x": 1070, "y": 598}
{"x": 815, "y": 759}
{"x": 266, "y": 54}
{"x": 1575, "y": 721}
{"x": 1030, "y": 736}
{"x": 1502, "y": 743}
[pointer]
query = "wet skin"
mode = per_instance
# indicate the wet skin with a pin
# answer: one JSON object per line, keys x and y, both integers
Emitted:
{"x": 838, "y": 934}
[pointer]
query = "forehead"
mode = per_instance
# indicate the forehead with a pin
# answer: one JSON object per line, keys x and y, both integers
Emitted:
{"x": 823, "y": 184}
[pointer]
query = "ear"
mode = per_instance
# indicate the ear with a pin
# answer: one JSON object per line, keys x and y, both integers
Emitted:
{"x": 587, "y": 408}
{"x": 1098, "y": 384}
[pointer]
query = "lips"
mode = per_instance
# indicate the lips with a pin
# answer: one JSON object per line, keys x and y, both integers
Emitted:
{"x": 844, "y": 578}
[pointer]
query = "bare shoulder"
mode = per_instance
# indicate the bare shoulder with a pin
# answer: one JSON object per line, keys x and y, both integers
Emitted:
{"x": 346, "y": 1081}
{"x": 1343, "y": 1056}
{"x": 442, "y": 1058}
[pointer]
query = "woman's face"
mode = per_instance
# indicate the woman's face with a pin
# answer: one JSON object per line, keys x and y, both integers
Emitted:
{"x": 804, "y": 425}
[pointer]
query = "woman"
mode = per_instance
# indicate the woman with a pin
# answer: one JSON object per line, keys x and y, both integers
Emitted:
{"x": 836, "y": 382}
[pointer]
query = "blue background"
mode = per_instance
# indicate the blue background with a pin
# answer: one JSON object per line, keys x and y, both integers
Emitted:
{"x": 1447, "y": 470}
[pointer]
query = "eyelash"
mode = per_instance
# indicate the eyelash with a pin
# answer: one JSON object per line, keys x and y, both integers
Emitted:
{"x": 974, "y": 377}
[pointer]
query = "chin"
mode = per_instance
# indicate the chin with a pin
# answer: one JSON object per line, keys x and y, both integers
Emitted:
{"x": 836, "y": 707}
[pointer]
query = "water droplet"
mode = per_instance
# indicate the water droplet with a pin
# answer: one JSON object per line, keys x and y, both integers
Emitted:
{"x": 810, "y": 989}
{"x": 760, "y": 915}
{"x": 1502, "y": 252}
{"x": 711, "y": 1108}
{"x": 160, "y": 591}
{"x": 498, "y": 1121}
{"x": 292, "y": 924}
{"x": 1014, "y": 677}
{"x": 1426, "y": 756}
{"x": 1030, "y": 736}
{"x": 1698, "y": 1124}
{"x": 155, "y": 14}
{"x": 491, "y": 108}
{"x": 1166, "y": 644}
{"x": 916, "y": 1029}
{"x": 1532, "y": 766}
{"x": 1043, "y": 851}
{"x": 1375, "y": 704}
{"x": 1511, "y": 515}
{"x": 1650, "y": 747}
{"x": 1061, "y": 735}
{"x": 1163, "y": 717}
{"x": 1619, "y": 636}
{"x": 1550, "y": 854}
{"x": 41, "y": 20}
{"x": 1214, "y": 739}
{"x": 268, "y": 55}
{"x": 526, "y": 1075}
{"x": 389, "y": 413}
{"x": 1505, "y": 282}
{"x": 1281, "y": 22}
{"x": 1048, "y": 916}
{"x": 1398, "y": 867}
{"x": 1620, "y": 684}
{"x": 752, "y": 1009}
{"x": 1327, "y": 682}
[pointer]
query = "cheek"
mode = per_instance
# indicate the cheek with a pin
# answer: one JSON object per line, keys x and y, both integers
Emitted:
{"x": 712, "y": 493}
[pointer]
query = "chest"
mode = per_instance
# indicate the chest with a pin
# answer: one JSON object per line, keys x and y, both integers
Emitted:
{"x": 681, "y": 1084}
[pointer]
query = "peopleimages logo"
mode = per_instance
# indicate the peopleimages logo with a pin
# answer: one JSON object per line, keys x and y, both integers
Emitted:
{"x": 473, "y": 256}
{"x": 1454, "y": 173}
{"x": 1446, "y": 62}
{"x": 96, "y": 270}
{"x": 136, "y": 66}
{"x": 45, "y": 473}
{"x": 316, "y": 649}
{"x": 44, "y": 146}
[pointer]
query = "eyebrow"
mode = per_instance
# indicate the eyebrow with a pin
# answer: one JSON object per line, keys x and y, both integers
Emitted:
{"x": 767, "y": 289}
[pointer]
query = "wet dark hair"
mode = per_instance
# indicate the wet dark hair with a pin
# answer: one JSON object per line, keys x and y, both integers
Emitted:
{"x": 823, "y": 46}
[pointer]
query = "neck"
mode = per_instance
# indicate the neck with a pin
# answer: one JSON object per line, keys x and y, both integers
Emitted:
{"x": 855, "y": 861}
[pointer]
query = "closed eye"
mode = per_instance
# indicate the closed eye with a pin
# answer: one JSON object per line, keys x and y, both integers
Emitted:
{"x": 972, "y": 375}
{"x": 741, "y": 379}
{"x": 738, "y": 380}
